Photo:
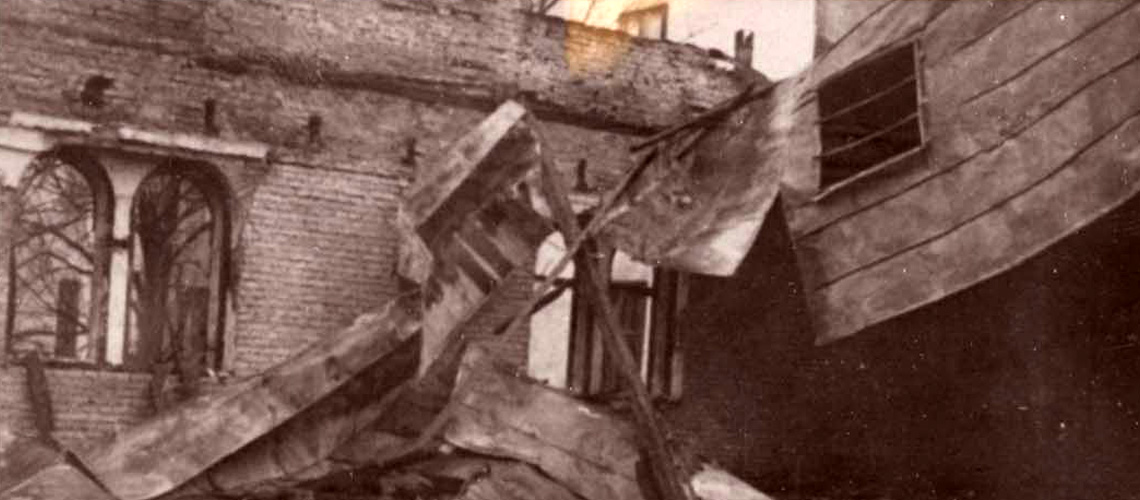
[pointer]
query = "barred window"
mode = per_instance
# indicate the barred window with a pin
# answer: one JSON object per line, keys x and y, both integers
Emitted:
{"x": 870, "y": 116}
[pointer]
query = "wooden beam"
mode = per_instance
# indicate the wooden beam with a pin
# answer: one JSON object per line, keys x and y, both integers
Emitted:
{"x": 300, "y": 448}
{"x": 719, "y": 111}
{"x": 657, "y": 451}
{"x": 155, "y": 457}
{"x": 590, "y": 451}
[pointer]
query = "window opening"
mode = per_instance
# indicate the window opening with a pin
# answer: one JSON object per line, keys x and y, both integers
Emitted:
{"x": 175, "y": 278}
{"x": 57, "y": 269}
{"x": 646, "y": 19}
{"x": 568, "y": 347}
{"x": 869, "y": 115}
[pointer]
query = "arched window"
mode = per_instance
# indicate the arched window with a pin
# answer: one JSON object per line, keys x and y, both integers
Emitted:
{"x": 55, "y": 293}
{"x": 179, "y": 229}
{"x": 80, "y": 288}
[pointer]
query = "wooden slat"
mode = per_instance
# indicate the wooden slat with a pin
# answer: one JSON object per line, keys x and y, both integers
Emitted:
{"x": 1018, "y": 44}
{"x": 469, "y": 194}
{"x": 427, "y": 197}
{"x": 946, "y": 201}
{"x": 966, "y": 23}
{"x": 1083, "y": 189}
{"x": 959, "y": 133}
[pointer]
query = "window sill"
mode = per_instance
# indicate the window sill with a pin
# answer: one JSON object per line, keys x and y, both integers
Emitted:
{"x": 870, "y": 172}
{"x": 62, "y": 364}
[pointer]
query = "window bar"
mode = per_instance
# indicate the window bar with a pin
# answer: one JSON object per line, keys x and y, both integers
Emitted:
{"x": 869, "y": 99}
{"x": 863, "y": 140}
{"x": 919, "y": 93}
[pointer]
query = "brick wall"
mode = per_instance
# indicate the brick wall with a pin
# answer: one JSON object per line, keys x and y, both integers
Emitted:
{"x": 86, "y": 402}
{"x": 314, "y": 244}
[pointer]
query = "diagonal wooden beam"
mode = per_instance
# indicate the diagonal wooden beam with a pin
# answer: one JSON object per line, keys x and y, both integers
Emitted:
{"x": 668, "y": 481}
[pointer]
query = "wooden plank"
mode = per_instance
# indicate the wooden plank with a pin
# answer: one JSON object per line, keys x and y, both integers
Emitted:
{"x": 945, "y": 202}
{"x": 158, "y": 455}
{"x": 658, "y": 456}
{"x": 1016, "y": 45}
{"x": 300, "y": 448}
{"x": 1076, "y": 193}
{"x": 589, "y": 451}
{"x": 514, "y": 481}
{"x": 705, "y": 119}
{"x": 59, "y": 481}
{"x": 470, "y": 193}
{"x": 712, "y": 483}
{"x": 465, "y": 177}
{"x": 960, "y": 132}
{"x": 585, "y": 448}
{"x": 965, "y": 23}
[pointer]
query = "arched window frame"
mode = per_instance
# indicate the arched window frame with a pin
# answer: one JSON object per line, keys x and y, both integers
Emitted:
{"x": 100, "y": 170}
{"x": 216, "y": 193}
{"x": 103, "y": 205}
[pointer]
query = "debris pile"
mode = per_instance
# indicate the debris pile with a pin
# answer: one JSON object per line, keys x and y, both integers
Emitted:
{"x": 396, "y": 405}
{"x": 499, "y": 436}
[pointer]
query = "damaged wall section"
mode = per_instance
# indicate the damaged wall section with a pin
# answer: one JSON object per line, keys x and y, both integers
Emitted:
{"x": 390, "y": 84}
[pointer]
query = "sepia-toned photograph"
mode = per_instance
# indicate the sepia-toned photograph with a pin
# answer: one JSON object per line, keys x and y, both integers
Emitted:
{"x": 569, "y": 249}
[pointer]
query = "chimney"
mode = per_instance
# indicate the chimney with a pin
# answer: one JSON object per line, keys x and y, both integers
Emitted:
{"x": 743, "y": 48}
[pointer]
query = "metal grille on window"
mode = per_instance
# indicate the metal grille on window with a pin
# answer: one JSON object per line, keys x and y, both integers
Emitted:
{"x": 870, "y": 116}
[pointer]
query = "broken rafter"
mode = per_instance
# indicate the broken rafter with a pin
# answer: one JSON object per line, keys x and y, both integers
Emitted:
{"x": 596, "y": 223}
{"x": 668, "y": 482}
{"x": 748, "y": 95}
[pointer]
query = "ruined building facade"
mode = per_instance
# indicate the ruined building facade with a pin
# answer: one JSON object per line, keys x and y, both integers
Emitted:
{"x": 942, "y": 300}
{"x": 197, "y": 189}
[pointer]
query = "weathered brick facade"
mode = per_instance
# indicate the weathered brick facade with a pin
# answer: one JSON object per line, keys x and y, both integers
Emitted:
{"x": 393, "y": 82}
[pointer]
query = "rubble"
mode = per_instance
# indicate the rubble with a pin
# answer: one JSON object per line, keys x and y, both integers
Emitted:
{"x": 315, "y": 426}
{"x": 503, "y": 437}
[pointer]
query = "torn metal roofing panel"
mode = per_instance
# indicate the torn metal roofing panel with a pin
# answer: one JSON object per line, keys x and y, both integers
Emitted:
{"x": 700, "y": 204}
